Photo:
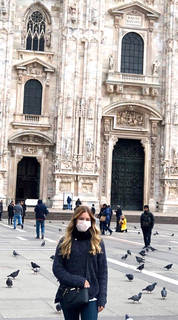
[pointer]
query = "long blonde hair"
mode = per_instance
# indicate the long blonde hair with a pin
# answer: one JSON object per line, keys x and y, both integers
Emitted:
{"x": 65, "y": 246}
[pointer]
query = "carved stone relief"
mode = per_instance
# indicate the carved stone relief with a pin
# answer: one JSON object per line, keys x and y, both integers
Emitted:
{"x": 104, "y": 161}
{"x": 65, "y": 186}
{"x": 30, "y": 149}
{"x": 34, "y": 69}
{"x": 130, "y": 118}
{"x": 87, "y": 187}
{"x": 89, "y": 148}
{"x": 153, "y": 157}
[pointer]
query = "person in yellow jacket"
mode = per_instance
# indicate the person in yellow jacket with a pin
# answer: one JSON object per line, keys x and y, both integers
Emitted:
{"x": 123, "y": 223}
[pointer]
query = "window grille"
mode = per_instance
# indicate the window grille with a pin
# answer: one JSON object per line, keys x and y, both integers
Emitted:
{"x": 32, "y": 97}
{"x": 132, "y": 53}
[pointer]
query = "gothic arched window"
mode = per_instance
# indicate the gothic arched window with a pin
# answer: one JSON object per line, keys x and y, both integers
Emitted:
{"x": 32, "y": 97}
{"x": 132, "y": 53}
{"x": 36, "y": 28}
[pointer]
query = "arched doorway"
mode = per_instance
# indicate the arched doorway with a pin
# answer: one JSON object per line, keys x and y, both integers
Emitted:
{"x": 127, "y": 174}
{"x": 28, "y": 179}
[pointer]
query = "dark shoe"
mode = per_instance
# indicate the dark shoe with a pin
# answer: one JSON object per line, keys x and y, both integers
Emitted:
{"x": 37, "y": 238}
{"x": 42, "y": 237}
{"x": 110, "y": 233}
{"x": 21, "y": 226}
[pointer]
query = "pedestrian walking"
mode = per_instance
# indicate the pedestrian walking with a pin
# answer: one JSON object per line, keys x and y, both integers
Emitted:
{"x": 82, "y": 245}
{"x": 147, "y": 223}
{"x": 24, "y": 207}
{"x": 108, "y": 213}
{"x": 18, "y": 211}
{"x": 10, "y": 212}
{"x": 102, "y": 217}
{"x": 41, "y": 212}
{"x": 1, "y": 209}
{"x": 77, "y": 203}
{"x": 118, "y": 216}
{"x": 93, "y": 210}
{"x": 69, "y": 200}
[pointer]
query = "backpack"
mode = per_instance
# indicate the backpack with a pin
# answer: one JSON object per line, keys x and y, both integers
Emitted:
{"x": 146, "y": 220}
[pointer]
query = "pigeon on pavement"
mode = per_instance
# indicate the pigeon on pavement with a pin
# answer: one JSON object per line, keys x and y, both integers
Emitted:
{"x": 152, "y": 249}
{"x": 164, "y": 293}
{"x": 60, "y": 229}
{"x": 156, "y": 233}
{"x": 43, "y": 244}
{"x": 34, "y": 265}
{"x": 140, "y": 260}
{"x": 58, "y": 307}
{"x": 14, "y": 274}
{"x": 52, "y": 257}
{"x": 15, "y": 253}
{"x": 150, "y": 287}
{"x": 142, "y": 253}
{"x": 169, "y": 266}
{"x": 136, "y": 297}
{"x": 9, "y": 282}
{"x": 172, "y": 235}
{"x": 140, "y": 268}
{"x": 127, "y": 317}
{"x": 129, "y": 252}
{"x": 130, "y": 276}
{"x": 124, "y": 257}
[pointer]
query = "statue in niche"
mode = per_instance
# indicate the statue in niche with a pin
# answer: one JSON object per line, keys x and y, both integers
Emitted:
{"x": 155, "y": 67}
{"x": 48, "y": 38}
{"x": 111, "y": 62}
{"x": 93, "y": 16}
{"x": 67, "y": 147}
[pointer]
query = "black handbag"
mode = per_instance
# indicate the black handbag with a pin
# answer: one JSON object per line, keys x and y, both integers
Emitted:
{"x": 73, "y": 298}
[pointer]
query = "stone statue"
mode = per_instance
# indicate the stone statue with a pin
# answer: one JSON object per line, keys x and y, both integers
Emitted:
{"x": 111, "y": 62}
{"x": 155, "y": 68}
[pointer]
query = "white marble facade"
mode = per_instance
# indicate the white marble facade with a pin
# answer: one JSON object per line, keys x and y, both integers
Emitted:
{"x": 87, "y": 102}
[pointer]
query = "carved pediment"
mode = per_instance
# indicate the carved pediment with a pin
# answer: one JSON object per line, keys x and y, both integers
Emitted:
{"x": 35, "y": 63}
{"x": 135, "y": 7}
{"x": 30, "y": 138}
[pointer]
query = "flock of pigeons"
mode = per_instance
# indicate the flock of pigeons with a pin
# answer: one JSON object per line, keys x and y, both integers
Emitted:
{"x": 139, "y": 259}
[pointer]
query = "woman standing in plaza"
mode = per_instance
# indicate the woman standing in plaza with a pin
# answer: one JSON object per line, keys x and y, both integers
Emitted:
{"x": 80, "y": 262}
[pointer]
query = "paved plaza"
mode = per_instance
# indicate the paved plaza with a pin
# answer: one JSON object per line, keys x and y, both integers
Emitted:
{"x": 32, "y": 295}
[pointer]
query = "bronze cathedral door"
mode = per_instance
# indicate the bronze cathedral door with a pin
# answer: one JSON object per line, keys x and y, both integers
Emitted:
{"x": 127, "y": 175}
{"x": 28, "y": 179}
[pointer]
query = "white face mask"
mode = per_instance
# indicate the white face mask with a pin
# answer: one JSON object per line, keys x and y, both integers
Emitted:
{"x": 83, "y": 225}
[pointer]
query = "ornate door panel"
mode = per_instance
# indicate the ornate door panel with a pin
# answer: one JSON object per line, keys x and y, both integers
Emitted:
{"x": 127, "y": 175}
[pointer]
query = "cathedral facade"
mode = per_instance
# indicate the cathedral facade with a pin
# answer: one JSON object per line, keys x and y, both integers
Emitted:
{"x": 88, "y": 102}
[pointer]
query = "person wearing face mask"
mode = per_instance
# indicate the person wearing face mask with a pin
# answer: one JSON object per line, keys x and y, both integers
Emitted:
{"x": 82, "y": 245}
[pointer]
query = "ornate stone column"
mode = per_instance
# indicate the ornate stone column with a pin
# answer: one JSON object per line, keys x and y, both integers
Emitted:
{"x": 146, "y": 145}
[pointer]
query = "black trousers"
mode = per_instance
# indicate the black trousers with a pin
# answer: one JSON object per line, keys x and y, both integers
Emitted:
{"x": 147, "y": 236}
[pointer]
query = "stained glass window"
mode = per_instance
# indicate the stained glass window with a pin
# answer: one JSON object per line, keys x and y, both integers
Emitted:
{"x": 36, "y": 28}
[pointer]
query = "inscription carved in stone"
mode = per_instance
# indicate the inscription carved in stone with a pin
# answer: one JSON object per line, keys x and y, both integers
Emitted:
{"x": 130, "y": 118}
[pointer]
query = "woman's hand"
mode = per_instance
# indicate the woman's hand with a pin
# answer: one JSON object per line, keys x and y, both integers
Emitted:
{"x": 100, "y": 308}
{"x": 86, "y": 284}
